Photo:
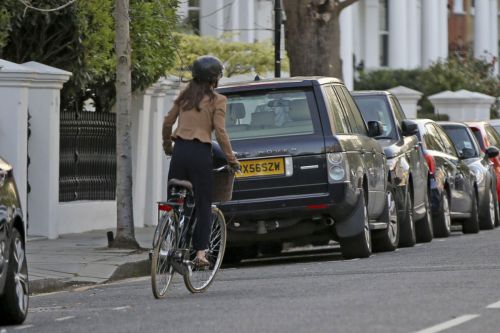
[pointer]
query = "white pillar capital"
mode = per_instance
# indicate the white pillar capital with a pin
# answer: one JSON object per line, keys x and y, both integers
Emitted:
{"x": 47, "y": 77}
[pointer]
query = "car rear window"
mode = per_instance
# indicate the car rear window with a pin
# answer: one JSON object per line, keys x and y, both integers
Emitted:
{"x": 375, "y": 108}
{"x": 461, "y": 139}
{"x": 269, "y": 114}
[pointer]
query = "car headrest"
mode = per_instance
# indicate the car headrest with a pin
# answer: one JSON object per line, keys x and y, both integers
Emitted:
{"x": 278, "y": 102}
{"x": 236, "y": 110}
{"x": 299, "y": 110}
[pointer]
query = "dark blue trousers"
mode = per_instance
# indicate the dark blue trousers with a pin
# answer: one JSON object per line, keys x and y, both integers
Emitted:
{"x": 192, "y": 161}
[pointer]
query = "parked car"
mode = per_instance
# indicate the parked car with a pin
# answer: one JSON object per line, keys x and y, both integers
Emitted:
{"x": 408, "y": 171}
{"x": 487, "y": 137}
{"x": 13, "y": 266}
{"x": 311, "y": 170}
{"x": 453, "y": 186}
{"x": 469, "y": 151}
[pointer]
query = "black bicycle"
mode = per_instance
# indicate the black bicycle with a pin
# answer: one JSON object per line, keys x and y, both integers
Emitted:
{"x": 172, "y": 251}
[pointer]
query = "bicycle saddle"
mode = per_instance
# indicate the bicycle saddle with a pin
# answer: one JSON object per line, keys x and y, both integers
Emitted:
{"x": 181, "y": 183}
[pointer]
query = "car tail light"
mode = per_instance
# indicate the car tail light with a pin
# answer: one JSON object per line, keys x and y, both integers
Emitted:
{"x": 430, "y": 162}
{"x": 164, "y": 207}
{"x": 338, "y": 168}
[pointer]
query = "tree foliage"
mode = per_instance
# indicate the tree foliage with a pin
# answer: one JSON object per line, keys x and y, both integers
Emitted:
{"x": 80, "y": 39}
{"x": 238, "y": 58}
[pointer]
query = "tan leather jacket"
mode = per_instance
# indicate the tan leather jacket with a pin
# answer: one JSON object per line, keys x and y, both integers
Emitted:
{"x": 193, "y": 124}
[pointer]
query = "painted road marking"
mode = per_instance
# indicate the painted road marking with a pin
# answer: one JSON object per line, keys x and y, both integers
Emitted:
{"x": 23, "y": 327}
{"x": 64, "y": 318}
{"x": 121, "y": 308}
{"x": 449, "y": 324}
{"x": 494, "y": 305}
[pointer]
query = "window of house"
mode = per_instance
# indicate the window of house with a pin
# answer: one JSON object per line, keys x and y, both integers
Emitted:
{"x": 193, "y": 16}
{"x": 384, "y": 32}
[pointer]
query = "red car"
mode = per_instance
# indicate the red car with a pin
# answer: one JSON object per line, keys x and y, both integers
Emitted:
{"x": 487, "y": 136}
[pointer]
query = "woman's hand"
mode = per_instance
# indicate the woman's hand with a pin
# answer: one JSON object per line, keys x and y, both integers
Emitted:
{"x": 167, "y": 148}
{"x": 234, "y": 166}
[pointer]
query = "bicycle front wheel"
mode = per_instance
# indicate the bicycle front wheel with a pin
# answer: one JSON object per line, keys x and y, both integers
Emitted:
{"x": 198, "y": 279}
{"x": 164, "y": 244}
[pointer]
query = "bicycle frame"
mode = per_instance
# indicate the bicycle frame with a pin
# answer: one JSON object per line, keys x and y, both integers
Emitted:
{"x": 182, "y": 204}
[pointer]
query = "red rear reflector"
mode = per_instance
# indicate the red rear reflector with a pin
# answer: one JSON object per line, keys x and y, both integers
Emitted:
{"x": 431, "y": 163}
{"x": 321, "y": 206}
{"x": 164, "y": 208}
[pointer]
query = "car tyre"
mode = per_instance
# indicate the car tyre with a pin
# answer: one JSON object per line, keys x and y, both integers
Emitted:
{"x": 388, "y": 239}
{"x": 359, "y": 246}
{"x": 488, "y": 221}
{"x": 497, "y": 208}
{"x": 442, "y": 218}
{"x": 407, "y": 236}
{"x": 424, "y": 229}
{"x": 471, "y": 225}
{"x": 14, "y": 302}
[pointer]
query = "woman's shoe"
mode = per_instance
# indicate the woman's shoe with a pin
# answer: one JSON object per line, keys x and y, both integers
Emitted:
{"x": 201, "y": 262}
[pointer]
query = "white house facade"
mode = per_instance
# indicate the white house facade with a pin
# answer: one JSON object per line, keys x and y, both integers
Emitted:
{"x": 398, "y": 34}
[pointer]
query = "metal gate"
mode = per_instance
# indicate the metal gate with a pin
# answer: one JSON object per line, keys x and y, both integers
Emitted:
{"x": 87, "y": 166}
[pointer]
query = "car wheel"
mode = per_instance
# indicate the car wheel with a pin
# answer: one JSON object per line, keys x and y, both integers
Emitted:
{"x": 407, "y": 237}
{"x": 488, "y": 221}
{"x": 359, "y": 246}
{"x": 471, "y": 225}
{"x": 388, "y": 239}
{"x": 14, "y": 302}
{"x": 442, "y": 219}
{"x": 497, "y": 208}
{"x": 424, "y": 229}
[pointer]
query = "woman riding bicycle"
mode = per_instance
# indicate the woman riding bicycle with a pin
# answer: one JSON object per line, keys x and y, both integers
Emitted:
{"x": 199, "y": 111}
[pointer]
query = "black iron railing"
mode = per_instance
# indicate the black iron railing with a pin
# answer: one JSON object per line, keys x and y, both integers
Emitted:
{"x": 87, "y": 166}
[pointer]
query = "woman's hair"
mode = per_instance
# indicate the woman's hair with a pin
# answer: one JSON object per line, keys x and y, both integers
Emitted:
{"x": 191, "y": 97}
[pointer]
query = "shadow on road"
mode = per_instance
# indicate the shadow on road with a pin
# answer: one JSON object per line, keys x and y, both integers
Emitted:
{"x": 293, "y": 256}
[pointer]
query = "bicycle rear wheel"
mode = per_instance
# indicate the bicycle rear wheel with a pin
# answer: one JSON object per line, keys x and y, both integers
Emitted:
{"x": 199, "y": 279}
{"x": 164, "y": 243}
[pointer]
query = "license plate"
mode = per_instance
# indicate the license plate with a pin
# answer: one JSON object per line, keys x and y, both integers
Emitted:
{"x": 262, "y": 167}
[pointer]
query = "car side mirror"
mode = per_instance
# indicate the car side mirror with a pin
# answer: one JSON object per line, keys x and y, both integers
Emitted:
{"x": 375, "y": 128}
{"x": 467, "y": 153}
{"x": 409, "y": 127}
{"x": 492, "y": 152}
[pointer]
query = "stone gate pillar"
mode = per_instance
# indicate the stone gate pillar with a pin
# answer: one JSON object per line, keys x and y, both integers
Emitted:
{"x": 15, "y": 81}
{"x": 462, "y": 105}
{"x": 43, "y": 148}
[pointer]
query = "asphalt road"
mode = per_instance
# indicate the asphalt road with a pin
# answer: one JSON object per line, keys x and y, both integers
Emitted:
{"x": 450, "y": 284}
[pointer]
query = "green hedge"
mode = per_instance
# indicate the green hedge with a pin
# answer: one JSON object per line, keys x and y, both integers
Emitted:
{"x": 453, "y": 74}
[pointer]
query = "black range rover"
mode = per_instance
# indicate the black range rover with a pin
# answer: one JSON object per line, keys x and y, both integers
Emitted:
{"x": 311, "y": 171}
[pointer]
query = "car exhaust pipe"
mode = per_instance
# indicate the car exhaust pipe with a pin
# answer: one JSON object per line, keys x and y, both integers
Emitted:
{"x": 329, "y": 221}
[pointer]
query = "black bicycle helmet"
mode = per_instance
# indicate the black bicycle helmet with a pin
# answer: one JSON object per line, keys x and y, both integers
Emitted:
{"x": 207, "y": 69}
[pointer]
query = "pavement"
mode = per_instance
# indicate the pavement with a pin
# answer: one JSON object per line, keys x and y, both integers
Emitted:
{"x": 84, "y": 258}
